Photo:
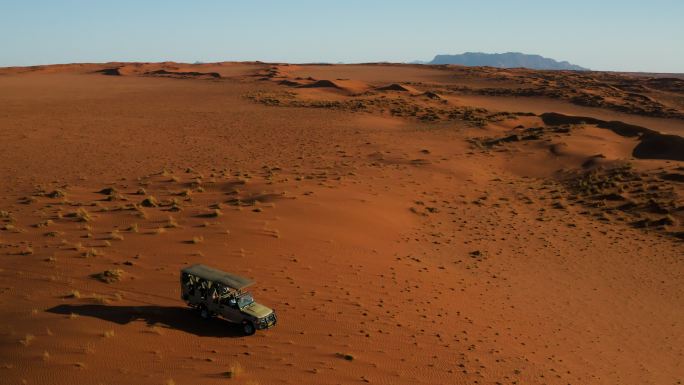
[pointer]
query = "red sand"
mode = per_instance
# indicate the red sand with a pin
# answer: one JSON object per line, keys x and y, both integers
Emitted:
{"x": 401, "y": 230}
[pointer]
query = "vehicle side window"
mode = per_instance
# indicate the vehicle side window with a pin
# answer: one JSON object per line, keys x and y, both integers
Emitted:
{"x": 203, "y": 288}
{"x": 228, "y": 299}
{"x": 189, "y": 283}
{"x": 215, "y": 294}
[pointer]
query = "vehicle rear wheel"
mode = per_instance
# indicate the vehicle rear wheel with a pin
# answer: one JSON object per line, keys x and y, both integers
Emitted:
{"x": 248, "y": 328}
{"x": 204, "y": 312}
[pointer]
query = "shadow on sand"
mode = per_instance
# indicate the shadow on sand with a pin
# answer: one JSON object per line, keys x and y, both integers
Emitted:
{"x": 179, "y": 318}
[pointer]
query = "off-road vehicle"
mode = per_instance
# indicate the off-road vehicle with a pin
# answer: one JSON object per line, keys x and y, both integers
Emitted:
{"x": 213, "y": 292}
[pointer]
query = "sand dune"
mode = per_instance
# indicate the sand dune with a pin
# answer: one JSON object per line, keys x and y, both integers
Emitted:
{"x": 399, "y": 87}
{"x": 346, "y": 85}
{"x": 480, "y": 236}
{"x": 322, "y": 84}
{"x": 653, "y": 145}
{"x": 182, "y": 74}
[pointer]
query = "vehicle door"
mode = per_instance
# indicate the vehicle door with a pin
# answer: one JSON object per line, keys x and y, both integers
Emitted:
{"x": 229, "y": 309}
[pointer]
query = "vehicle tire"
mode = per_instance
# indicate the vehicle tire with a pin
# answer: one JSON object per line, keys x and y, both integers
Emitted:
{"x": 204, "y": 312}
{"x": 248, "y": 328}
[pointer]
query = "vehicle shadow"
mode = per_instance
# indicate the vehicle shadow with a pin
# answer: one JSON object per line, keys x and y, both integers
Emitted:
{"x": 171, "y": 317}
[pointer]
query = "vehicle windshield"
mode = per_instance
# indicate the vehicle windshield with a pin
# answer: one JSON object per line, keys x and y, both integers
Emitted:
{"x": 245, "y": 300}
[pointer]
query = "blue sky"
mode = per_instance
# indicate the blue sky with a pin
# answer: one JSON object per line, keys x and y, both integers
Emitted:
{"x": 604, "y": 35}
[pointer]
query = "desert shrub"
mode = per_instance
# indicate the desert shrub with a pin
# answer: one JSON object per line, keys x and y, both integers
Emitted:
{"x": 109, "y": 276}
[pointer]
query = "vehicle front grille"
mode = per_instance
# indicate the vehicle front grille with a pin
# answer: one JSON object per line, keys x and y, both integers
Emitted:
{"x": 270, "y": 319}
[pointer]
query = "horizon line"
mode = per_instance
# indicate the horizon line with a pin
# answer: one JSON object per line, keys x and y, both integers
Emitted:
{"x": 417, "y": 62}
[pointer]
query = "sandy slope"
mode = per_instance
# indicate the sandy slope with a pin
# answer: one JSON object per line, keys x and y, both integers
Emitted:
{"x": 432, "y": 242}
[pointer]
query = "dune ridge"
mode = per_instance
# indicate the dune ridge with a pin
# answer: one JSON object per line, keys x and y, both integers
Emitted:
{"x": 652, "y": 144}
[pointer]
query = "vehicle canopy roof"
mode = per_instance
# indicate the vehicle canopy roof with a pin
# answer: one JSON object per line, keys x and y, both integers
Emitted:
{"x": 215, "y": 275}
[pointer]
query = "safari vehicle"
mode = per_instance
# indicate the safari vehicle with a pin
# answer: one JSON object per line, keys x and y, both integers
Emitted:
{"x": 213, "y": 292}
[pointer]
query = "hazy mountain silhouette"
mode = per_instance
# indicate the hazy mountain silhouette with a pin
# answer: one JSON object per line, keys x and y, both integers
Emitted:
{"x": 505, "y": 60}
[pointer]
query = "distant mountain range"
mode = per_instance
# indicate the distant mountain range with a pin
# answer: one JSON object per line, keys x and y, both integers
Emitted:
{"x": 504, "y": 60}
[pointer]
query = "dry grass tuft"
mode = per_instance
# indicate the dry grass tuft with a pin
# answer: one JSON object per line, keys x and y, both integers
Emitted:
{"x": 91, "y": 252}
{"x": 133, "y": 228}
{"x": 141, "y": 213}
{"x": 175, "y": 206}
{"x": 196, "y": 240}
{"x": 44, "y": 223}
{"x": 116, "y": 197}
{"x": 214, "y": 214}
{"x": 73, "y": 294}
{"x": 345, "y": 356}
{"x": 108, "y": 191}
{"x": 99, "y": 298}
{"x": 108, "y": 334}
{"x": 26, "y": 341}
{"x": 81, "y": 215}
{"x": 11, "y": 228}
{"x": 171, "y": 223}
{"x": 28, "y": 200}
{"x": 150, "y": 201}
{"x": 46, "y": 355}
{"x": 102, "y": 207}
{"x": 109, "y": 276}
{"x": 116, "y": 236}
{"x": 234, "y": 370}
{"x": 28, "y": 250}
{"x": 160, "y": 230}
{"x": 56, "y": 194}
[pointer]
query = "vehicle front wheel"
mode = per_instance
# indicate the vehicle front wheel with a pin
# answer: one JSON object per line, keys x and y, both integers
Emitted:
{"x": 248, "y": 328}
